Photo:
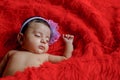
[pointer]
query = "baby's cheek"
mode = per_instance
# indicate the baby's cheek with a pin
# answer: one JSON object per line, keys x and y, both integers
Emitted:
{"x": 47, "y": 47}
{"x": 36, "y": 41}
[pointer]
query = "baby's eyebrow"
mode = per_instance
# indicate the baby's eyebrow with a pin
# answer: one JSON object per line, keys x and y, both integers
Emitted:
{"x": 37, "y": 32}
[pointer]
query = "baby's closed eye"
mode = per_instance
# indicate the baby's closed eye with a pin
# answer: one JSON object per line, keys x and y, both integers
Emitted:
{"x": 47, "y": 40}
{"x": 37, "y": 35}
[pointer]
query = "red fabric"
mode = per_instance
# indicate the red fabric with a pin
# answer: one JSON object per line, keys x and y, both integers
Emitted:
{"x": 95, "y": 24}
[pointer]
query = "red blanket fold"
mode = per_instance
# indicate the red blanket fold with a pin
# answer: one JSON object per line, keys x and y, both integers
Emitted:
{"x": 95, "y": 24}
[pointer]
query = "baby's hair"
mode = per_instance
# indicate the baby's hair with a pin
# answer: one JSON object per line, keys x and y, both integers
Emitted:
{"x": 51, "y": 24}
{"x": 36, "y": 21}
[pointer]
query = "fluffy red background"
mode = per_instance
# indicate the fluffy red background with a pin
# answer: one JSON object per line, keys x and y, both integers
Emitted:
{"x": 95, "y": 24}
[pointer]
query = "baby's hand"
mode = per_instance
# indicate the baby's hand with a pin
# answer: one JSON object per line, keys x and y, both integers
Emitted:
{"x": 68, "y": 38}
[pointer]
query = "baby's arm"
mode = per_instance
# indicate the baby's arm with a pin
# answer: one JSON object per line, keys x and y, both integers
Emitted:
{"x": 68, "y": 39}
{"x": 2, "y": 64}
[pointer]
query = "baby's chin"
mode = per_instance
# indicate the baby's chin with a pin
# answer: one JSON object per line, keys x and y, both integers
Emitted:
{"x": 39, "y": 52}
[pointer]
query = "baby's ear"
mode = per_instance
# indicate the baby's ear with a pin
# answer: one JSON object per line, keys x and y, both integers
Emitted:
{"x": 20, "y": 38}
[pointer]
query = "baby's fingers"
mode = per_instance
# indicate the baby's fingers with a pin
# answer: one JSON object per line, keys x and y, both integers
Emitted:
{"x": 71, "y": 36}
{"x": 68, "y": 36}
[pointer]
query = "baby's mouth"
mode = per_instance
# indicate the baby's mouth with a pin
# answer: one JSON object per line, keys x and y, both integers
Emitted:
{"x": 42, "y": 47}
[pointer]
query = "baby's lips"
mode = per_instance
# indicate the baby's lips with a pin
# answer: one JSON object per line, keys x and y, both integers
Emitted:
{"x": 42, "y": 47}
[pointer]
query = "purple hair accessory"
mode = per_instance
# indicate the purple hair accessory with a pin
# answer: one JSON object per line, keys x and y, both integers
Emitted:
{"x": 53, "y": 27}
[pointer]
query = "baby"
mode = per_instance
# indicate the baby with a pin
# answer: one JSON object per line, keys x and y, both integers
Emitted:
{"x": 34, "y": 38}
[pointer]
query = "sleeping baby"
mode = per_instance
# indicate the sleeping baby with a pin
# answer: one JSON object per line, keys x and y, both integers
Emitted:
{"x": 34, "y": 38}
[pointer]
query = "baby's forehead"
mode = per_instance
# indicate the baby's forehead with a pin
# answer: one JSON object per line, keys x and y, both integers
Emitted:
{"x": 34, "y": 23}
{"x": 38, "y": 21}
{"x": 39, "y": 25}
{"x": 39, "y": 28}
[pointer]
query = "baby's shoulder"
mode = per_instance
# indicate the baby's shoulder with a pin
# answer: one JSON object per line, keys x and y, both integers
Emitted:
{"x": 11, "y": 52}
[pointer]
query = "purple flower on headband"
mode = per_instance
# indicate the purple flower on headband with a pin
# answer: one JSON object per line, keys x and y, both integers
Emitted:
{"x": 54, "y": 29}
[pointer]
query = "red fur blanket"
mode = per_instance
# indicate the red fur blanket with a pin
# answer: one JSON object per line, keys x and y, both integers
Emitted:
{"x": 95, "y": 24}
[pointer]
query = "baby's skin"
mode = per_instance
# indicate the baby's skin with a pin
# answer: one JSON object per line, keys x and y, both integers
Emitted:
{"x": 33, "y": 51}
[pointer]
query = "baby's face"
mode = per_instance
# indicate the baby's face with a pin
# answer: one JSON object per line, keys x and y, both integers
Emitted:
{"x": 36, "y": 38}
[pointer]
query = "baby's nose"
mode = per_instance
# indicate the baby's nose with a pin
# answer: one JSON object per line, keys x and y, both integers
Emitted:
{"x": 43, "y": 41}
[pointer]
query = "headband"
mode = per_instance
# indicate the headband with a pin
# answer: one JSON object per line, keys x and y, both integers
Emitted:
{"x": 53, "y": 27}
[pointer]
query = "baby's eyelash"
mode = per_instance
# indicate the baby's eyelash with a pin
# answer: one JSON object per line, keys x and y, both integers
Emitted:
{"x": 37, "y": 35}
{"x": 47, "y": 41}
